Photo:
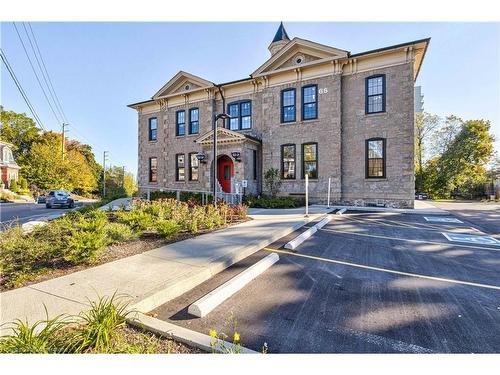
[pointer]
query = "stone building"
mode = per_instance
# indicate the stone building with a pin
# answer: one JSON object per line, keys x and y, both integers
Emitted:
{"x": 309, "y": 109}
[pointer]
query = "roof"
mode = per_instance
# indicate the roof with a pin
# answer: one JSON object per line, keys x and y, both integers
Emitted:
{"x": 280, "y": 34}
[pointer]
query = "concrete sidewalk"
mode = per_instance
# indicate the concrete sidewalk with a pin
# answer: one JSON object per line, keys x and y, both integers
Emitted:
{"x": 157, "y": 276}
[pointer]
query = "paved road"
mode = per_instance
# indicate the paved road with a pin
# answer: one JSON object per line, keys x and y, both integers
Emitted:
{"x": 24, "y": 212}
{"x": 484, "y": 216}
{"x": 308, "y": 302}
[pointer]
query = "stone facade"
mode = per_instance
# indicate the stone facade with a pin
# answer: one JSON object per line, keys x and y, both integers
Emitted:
{"x": 340, "y": 129}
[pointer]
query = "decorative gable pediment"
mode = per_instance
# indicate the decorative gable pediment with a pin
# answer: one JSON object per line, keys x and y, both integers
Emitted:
{"x": 182, "y": 82}
{"x": 223, "y": 136}
{"x": 299, "y": 52}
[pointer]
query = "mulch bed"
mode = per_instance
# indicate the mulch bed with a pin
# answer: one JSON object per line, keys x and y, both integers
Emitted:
{"x": 147, "y": 241}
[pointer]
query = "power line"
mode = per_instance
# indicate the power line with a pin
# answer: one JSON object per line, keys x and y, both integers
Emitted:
{"x": 36, "y": 75}
{"x": 49, "y": 85}
{"x": 20, "y": 88}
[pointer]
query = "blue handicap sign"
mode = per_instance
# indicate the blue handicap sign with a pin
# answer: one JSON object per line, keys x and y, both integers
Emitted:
{"x": 472, "y": 239}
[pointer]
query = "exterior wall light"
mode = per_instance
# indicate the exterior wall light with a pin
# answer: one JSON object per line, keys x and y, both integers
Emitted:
{"x": 201, "y": 157}
{"x": 236, "y": 155}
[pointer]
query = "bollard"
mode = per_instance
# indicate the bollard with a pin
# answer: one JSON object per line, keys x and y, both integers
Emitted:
{"x": 329, "y": 185}
{"x": 178, "y": 195}
{"x": 307, "y": 195}
{"x": 149, "y": 194}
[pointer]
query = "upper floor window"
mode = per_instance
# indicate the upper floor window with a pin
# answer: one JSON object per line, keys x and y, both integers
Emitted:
{"x": 288, "y": 162}
{"x": 153, "y": 169}
{"x": 194, "y": 121}
{"x": 375, "y": 158}
{"x": 288, "y": 105}
{"x": 180, "y": 128}
{"x": 153, "y": 128}
{"x": 310, "y": 160}
{"x": 241, "y": 115}
{"x": 193, "y": 166}
{"x": 375, "y": 94}
{"x": 309, "y": 102}
{"x": 180, "y": 167}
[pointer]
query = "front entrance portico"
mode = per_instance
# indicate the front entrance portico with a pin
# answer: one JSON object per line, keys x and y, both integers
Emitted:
{"x": 237, "y": 157}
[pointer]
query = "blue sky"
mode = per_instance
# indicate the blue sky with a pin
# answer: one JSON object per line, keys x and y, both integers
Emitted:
{"x": 99, "y": 68}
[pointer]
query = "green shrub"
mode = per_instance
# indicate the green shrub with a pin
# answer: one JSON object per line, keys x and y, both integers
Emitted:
{"x": 136, "y": 219}
{"x": 117, "y": 232}
{"x": 167, "y": 228}
{"x": 24, "y": 184}
{"x": 155, "y": 195}
{"x": 13, "y": 186}
{"x": 276, "y": 202}
{"x": 86, "y": 246}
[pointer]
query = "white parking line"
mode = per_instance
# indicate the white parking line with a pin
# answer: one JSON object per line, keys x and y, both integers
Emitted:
{"x": 408, "y": 240}
{"x": 372, "y": 268}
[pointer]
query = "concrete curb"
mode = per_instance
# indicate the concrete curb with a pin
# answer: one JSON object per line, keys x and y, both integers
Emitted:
{"x": 163, "y": 295}
{"x": 181, "y": 334}
{"x": 340, "y": 212}
{"x": 292, "y": 245}
{"x": 213, "y": 299}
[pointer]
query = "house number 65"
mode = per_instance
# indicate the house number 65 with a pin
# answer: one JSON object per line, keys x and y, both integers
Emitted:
{"x": 323, "y": 91}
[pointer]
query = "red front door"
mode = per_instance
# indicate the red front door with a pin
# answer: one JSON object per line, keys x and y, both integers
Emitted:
{"x": 225, "y": 172}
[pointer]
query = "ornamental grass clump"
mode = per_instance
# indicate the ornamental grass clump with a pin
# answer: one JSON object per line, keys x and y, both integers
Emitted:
{"x": 98, "y": 326}
{"x": 43, "y": 337}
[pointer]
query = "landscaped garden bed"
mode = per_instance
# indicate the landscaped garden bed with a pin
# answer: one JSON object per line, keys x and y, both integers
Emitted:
{"x": 89, "y": 236}
{"x": 101, "y": 329}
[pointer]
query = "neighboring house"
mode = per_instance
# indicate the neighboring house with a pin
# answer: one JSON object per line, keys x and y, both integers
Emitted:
{"x": 419, "y": 99}
{"x": 9, "y": 170}
{"x": 309, "y": 109}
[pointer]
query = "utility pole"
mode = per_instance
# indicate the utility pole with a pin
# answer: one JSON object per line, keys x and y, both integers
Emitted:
{"x": 104, "y": 160}
{"x": 63, "y": 138}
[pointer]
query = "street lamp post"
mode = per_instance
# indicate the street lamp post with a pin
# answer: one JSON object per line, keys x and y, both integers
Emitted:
{"x": 222, "y": 116}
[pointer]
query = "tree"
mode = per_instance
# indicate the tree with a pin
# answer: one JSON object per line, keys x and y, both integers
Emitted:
{"x": 425, "y": 125}
{"x": 272, "y": 181}
{"x": 462, "y": 166}
{"x": 40, "y": 158}
{"x": 119, "y": 183}
{"x": 20, "y": 130}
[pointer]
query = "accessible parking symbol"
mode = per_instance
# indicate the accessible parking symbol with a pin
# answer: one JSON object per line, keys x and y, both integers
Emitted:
{"x": 471, "y": 239}
{"x": 442, "y": 219}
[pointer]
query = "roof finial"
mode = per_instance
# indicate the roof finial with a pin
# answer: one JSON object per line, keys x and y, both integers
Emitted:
{"x": 280, "y": 39}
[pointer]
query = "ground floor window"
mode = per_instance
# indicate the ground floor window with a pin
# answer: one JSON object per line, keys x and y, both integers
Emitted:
{"x": 193, "y": 166}
{"x": 288, "y": 162}
{"x": 310, "y": 160}
{"x": 153, "y": 169}
{"x": 180, "y": 167}
{"x": 375, "y": 158}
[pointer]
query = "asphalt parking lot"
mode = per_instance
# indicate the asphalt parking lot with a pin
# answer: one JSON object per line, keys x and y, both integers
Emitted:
{"x": 364, "y": 283}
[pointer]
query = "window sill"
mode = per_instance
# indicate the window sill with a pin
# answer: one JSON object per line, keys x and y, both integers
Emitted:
{"x": 375, "y": 179}
{"x": 301, "y": 122}
{"x": 375, "y": 114}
